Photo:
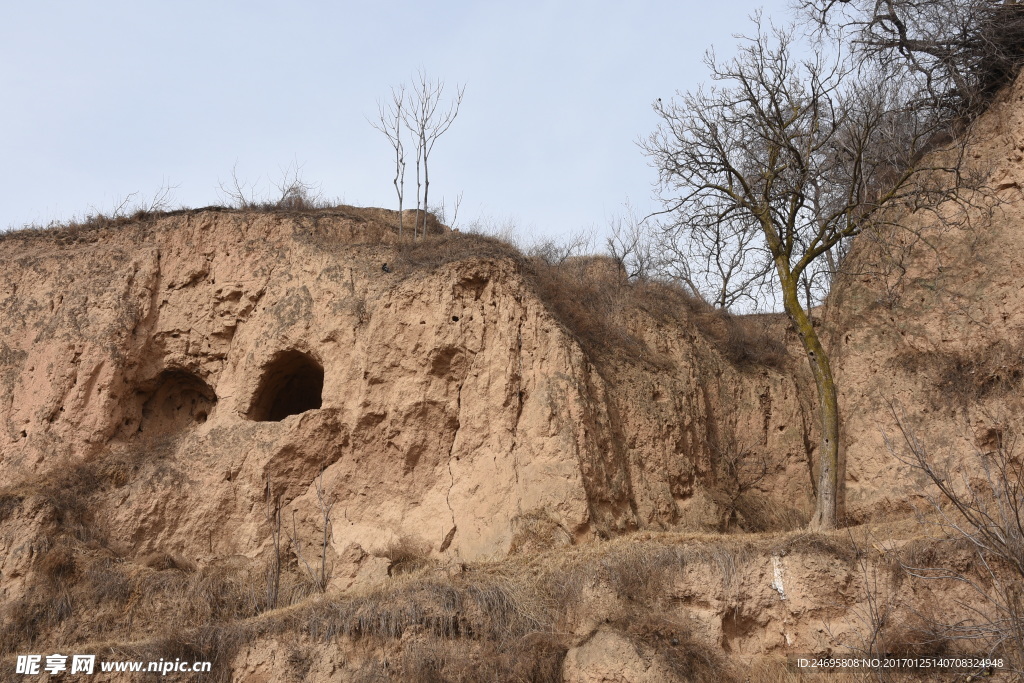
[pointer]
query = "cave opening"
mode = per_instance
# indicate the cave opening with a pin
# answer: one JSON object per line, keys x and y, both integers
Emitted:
{"x": 292, "y": 383}
{"x": 176, "y": 400}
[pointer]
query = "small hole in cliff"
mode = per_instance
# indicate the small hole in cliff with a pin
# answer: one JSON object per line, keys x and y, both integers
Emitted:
{"x": 201, "y": 417}
{"x": 292, "y": 383}
{"x": 173, "y": 401}
{"x": 455, "y": 318}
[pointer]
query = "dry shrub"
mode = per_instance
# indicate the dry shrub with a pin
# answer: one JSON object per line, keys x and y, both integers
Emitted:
{"x": 161, "y": 561}
{"x": 216, "y": 644}
{"x": 784, "y": 670}
{"x": 486, "y": 627}
{"x": 407, "y": 555}
{"x": 360, "y": 225}
{"x": 24, "y": 621}
{"x": 746, "y": 340}
{"x": 588, "y": 296}
{"x": 65, "y": 492}
{"x": 537, "y": 531}
{"x": 537, "y": 658}
{"x": 920, "y": 554}
{"x": 212, "y": 595}
{"x": 434, "y": 251}
{"x": 88, "y": 229}
{"x": 133, "y": 600}
{"x": 641, "y": 572}
{"x": 488, "y": 607}
{"x": 758, "y": 514}
{"x": 57, "y": 565}
{"x": 105, "y": 583}
{"x": 599, "y": 306}
{"x": 738, "y": 473}
{"x": 674, "y": 646}
{"x": 300, "y": 659}
{"x": 913, "y": 635}
{"x": 596, "y": 302}
{"x": 815, "y": 543}
{"x": 494, "y": 623}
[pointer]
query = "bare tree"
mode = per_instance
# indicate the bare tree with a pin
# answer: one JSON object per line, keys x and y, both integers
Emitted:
{"x": 441, "y": 211}
{"x": 959, "y": 52}
{"x": 784, "y": 162}
{"x": 390, "y": 118}
{"x": 720, "y": 260}
{"x": 237, "y": 192}
{"x": 294, "y": 192}
{"x": 983, "y": 505}
{"x": 555, "y": 252}
{"x": 631, "y": 245}
{"x": 427, "y": 121}
{"x": 320, "y": 574}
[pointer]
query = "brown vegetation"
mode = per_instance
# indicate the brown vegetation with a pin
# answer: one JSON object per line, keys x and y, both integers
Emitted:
{"x": 599, "y": 306}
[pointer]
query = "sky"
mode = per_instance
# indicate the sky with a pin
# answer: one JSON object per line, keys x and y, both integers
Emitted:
{"x": 105, "y": 99}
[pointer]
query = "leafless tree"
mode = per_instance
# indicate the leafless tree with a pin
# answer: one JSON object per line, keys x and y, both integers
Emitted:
{"x": 428, "y": 121}
{"x": 293, "y": 191}
{"x": 984, "y": 506}
{"x": 237, "y": 192}
{"x": 720, "y": 261}
{"x": 390, "y": 119}
{"x": 631, "y": 245}
{"x": 320, "y": 574}
{"x": 777, "y": 167}
{"x": 441, "y": 211}
{"x": 959, "y": 52}
{"x": 555, "y": 252}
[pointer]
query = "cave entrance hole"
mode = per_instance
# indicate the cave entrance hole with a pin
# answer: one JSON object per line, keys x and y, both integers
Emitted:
{"x": 292, "y": 383}
{"x": 177, "y": 400}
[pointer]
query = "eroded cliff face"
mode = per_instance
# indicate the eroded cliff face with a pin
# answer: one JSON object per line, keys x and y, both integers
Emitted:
{"x": 929, "y": 323}
{"x": 229, "y": 360}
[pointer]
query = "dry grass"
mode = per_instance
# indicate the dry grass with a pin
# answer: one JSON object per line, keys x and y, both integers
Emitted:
{"x": 407, "y": 555}
{"x": 748, "y": 341}
{"x": 509, "y": 621}
{"x": 435, "y": 251}
{"x": 537, "y": 531}
{"x": 603, "y": 310}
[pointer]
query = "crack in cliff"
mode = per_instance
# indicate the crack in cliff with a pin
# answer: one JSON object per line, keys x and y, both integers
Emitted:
{"x": 517, "y": 388}
{"x": 451, "y": 454}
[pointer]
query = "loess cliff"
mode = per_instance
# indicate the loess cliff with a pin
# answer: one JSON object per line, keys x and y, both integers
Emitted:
{"x": 300, "y": 447}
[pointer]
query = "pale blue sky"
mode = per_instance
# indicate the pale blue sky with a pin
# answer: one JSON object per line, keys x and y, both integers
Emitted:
{"x": 107, "y": 98}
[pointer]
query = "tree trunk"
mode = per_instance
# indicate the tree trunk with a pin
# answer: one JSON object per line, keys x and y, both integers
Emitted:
{"x": 826, "y": 513}
{"x": 399, "y": 209}
{"x": 426, "y": 190}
